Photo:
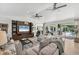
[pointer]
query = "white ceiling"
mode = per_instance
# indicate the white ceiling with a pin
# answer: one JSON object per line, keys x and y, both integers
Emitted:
{"x": 64, "y": 13}
{"x": 21, "y": 9}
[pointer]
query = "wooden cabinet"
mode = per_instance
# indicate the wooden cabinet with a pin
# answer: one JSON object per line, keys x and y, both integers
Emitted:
{"x": 19, "y": 35}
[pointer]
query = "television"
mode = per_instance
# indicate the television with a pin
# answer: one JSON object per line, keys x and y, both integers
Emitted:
{"x": 24, "y": 28}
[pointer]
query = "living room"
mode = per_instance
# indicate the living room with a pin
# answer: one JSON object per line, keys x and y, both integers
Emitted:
{"x": 36, "y": 28}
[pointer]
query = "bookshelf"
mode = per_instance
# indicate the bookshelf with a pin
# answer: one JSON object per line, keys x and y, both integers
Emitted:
{"x": 14, "y": 29}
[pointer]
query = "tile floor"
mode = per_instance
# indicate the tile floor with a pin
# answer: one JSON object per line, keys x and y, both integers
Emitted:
{"x": 71, "y": 48}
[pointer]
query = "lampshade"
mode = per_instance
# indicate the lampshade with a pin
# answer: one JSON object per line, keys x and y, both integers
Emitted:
{"x": 3, "y": 38}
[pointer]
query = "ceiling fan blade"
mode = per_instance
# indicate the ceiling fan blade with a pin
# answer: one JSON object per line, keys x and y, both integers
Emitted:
{"x": 61, "y": 6}
{"x": 55, "y": 7}
{"x": 34, "y": 17}
{"x": 38, "y": 16}
{"x": 49, "y": 9}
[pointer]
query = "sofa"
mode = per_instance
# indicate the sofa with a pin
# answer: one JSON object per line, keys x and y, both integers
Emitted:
{"x": 46, "y": 46}
{"x": 38, "y": 48}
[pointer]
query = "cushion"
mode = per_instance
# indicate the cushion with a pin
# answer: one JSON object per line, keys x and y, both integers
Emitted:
{"x": 36, "y": 49}
{"x": 29, "y": 52}
{"x": 49, "y": 49}
{"x": 44, "y": 43}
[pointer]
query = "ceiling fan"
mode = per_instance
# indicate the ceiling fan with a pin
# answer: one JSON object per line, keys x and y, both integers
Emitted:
{"x": 57, "y": 7}
{"x": 37, "y": 16}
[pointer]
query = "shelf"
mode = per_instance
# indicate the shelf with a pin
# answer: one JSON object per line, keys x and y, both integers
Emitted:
{"x": 4, "y": 27}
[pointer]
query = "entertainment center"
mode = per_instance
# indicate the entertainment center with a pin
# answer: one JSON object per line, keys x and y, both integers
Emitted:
{"x": 21, "y": 29}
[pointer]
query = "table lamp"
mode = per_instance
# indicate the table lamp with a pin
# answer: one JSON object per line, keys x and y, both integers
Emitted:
{"x": 3, "y": 38}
